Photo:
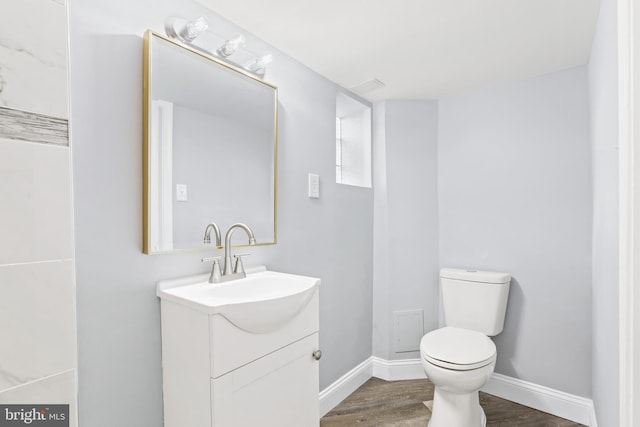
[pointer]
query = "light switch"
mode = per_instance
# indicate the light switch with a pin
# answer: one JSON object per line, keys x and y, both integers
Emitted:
{"x": 181, "y": 193}
{"x": 314, "y": 186}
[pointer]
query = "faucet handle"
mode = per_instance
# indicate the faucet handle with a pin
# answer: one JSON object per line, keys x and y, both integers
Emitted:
{"x": 215, "y": 269}
{"x": 239, "y": 267}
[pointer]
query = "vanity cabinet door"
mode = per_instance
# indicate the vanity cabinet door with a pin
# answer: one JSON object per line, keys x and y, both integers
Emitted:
{"x": 277, "y": 390}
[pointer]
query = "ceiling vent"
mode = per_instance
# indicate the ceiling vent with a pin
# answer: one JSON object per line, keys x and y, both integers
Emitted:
{"x": 366, "y": 87}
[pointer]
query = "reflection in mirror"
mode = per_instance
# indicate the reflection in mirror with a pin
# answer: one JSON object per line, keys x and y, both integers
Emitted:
{"x": 210, "y": 148}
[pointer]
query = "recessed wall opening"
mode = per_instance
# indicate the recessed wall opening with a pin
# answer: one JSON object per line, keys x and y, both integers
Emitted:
{"x": 353, "y": 141}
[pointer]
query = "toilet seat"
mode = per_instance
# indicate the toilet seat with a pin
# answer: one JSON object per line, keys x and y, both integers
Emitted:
{"x": 457, "y": 349}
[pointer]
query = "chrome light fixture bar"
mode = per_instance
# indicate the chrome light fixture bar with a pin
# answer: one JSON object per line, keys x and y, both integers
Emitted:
{"x": 187, "y": 31}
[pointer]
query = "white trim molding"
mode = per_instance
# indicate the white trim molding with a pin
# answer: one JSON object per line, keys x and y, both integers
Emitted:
{"x": 629, "y": 206}
{"x": 395, "y": 370}
{"x": 561, "y": 404}
{"x": 344, "y": 386}
{"x": 555, "y": 402}
{"x": 161, "y": 170}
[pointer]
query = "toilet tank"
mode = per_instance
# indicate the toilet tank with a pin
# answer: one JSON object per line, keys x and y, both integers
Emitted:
{"x": 475, "y": 300}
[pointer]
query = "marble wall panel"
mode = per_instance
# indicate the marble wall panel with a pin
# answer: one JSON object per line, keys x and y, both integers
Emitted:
{"x": 55, "y": 389}
{"x": 35, "y": 195}
{"x": 37, "y": 321}
{"x": 24, "y": 126}
{"x": 38, "y": 350}
{"x": 33, "y": 56}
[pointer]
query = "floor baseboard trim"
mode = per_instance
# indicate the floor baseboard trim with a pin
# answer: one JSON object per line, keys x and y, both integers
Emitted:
{"x": 345, "y": 385}
{"x": 558, "y": 403}
{"x": 395, "y": 370}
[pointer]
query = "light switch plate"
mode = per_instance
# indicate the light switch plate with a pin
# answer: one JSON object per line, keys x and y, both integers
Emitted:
{"x": 181, "y": 193}
{"x": 314, "y": 186}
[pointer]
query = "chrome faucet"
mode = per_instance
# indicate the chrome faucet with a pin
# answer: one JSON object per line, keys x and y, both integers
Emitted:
{"x": 207, "y": 234}
{"x": 227, "y": 273}
{"x": 238, "y": 271}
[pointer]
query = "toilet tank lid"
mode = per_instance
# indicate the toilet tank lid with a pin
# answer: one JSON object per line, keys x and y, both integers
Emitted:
{"x": 475, "y": 275}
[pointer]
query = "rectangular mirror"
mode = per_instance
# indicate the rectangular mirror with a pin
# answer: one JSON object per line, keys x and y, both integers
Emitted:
{"x": 210, "y": 148}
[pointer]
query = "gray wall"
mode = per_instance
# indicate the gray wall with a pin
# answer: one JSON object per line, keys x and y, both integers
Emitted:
{"x": 118, "y": 313}
{"x": 406, "y": 218}
{"x": 514, "y": 177}
{"x": 603, "y": 91}
{"x": 512, "y": 169}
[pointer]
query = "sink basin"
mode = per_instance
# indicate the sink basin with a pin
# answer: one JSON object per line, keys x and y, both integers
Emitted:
{"x": 262, "y": 302}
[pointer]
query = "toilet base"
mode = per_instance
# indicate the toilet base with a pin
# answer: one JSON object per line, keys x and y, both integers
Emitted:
{"x": 456, "y": 410}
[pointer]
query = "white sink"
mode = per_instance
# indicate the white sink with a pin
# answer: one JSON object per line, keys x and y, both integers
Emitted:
{"x": 260, "y": 303}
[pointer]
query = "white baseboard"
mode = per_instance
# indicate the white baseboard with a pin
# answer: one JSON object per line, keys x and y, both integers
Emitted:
{"x": 344, "y": 386}
{"x": 395, "y": 370}
{"x": 558, "y": 403}
{"x": 389, "y": 370}
{"x": 561, "y": 404}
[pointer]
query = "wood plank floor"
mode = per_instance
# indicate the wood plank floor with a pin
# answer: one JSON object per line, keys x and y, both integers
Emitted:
{"x": 400, "y": 404}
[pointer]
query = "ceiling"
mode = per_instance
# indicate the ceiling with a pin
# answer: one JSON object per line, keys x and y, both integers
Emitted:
{"x": 422, "y": 49}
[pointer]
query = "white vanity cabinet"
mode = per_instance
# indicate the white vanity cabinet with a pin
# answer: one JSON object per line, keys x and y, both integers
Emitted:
{"x": 216, "y": 374}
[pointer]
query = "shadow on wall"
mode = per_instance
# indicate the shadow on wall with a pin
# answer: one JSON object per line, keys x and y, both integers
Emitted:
{"x": 507, "y": 341}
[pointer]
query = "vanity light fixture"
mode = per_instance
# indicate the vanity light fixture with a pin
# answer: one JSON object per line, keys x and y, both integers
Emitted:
{"x": 183, "y": 30}
{"x": 231, "y": 45}
{"x": 187, "y": 31}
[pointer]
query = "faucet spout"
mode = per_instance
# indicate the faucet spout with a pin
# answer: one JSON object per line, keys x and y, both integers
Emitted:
{"x": 207, "y": 234}
{"x": 227, "y": 270}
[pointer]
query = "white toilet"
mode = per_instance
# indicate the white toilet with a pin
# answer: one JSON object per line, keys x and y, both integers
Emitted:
{"x": 459, "y": 358}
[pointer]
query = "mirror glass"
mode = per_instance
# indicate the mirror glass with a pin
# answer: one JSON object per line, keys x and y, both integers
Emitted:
{"x": 210, "y": 148}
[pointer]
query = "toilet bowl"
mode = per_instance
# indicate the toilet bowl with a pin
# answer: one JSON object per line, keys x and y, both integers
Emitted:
{"x": 458, "y": 362}
{"x": 460, "y": 357}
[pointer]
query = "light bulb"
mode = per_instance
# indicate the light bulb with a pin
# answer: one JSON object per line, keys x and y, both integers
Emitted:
{"x": 193, "y": 29}
{"x": 231, "y": 45}
{"x": 259, "y": 66}
{"x": 265, "y": 59}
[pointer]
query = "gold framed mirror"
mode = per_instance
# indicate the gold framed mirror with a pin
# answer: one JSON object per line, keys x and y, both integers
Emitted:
{"x": 210, "y": 148}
